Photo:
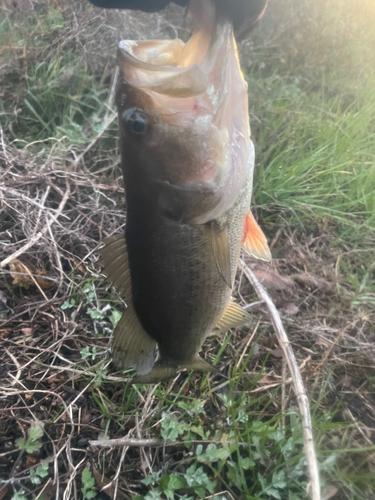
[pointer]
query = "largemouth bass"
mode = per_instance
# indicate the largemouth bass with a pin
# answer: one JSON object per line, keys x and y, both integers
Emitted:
{"x": 187, "y": 163}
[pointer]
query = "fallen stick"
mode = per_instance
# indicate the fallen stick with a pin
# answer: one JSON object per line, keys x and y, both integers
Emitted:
{"x": 140, "y": 443}
{"x": 298, "y": 386}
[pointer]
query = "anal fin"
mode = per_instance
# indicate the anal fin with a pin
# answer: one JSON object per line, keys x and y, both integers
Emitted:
{"x": 162, "y": 372}
{"x": 233, "y": 316}
{"x": 200, "y": 365}
{"x": 221, "y": 251}
{"x": 254, "y": 242}
{"x": 132, "y": 345}
{"x": 157, "y": 374}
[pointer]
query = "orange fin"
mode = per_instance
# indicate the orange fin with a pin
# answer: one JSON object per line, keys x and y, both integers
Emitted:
{"x": 254, "y": 242}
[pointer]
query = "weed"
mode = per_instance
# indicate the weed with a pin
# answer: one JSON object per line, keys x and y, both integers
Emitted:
{"x": 19, "y": 495}
{"x": 88, "y": 485}
{"x": 31, "y": 443}
{"x": 36, "y": 475}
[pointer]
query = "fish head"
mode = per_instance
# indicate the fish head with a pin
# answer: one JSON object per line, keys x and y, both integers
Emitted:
{"x": 184, "y": 118}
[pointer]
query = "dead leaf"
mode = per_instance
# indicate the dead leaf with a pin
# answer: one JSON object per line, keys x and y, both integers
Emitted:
{"x": 27, "y": 331}
{"x": 177, "y": 388}
{"x": 332, "y": 490}
{"x": 3, "y": 301}
{"x": 345, "y": 381}
{"x": 269, "y": 379}
{"x": 86, "y": 416}
{"x": 287, "y": 307}
{"x": 270, "y": 277}
{"x": 4, "y": 334}
{"x": 102, "y": 482}
{"x": 25, "y": 277}
{"x": 4, "y": 491}
{"x": 323, "y": 341}
{"x": 278, "y": 353}
{"x": 19, "y": 273}
{"x": 30, "y": 460}
{"x": 312, "y": 282}
{"x": 56, "y": 379}
{"x": 43, "y": 282}
{"x": 79, "y": 267}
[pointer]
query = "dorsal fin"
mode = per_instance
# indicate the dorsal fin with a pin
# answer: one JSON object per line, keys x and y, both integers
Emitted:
{"x": 254, "y": 242}
{"x": 115, "y": 262}
{"x": 232, "y": 317}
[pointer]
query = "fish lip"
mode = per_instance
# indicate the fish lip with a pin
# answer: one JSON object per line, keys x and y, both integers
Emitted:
{"x": 167, "y": 79}
{"x": 134, "y": 61}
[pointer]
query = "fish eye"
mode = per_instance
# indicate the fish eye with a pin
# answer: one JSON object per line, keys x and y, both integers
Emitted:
{"x": 136, "y": 122}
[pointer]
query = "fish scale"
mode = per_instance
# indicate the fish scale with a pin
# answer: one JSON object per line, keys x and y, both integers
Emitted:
{"x": 178, "y": 292}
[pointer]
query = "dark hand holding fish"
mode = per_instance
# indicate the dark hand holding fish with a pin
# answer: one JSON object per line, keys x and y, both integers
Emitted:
{"x": 187, "y": 162}
{"x": 244, "y": 13}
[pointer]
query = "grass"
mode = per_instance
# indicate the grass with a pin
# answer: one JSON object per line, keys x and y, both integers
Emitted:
{"x": 318, "y": 114}
{"x": 237, "y": 435}
{"x": 325, "y": 167}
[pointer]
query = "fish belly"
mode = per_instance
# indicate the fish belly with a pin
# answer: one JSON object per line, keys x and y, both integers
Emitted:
{"x": 178, "y": 293}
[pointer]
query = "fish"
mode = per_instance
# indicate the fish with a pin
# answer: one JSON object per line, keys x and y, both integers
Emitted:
{"x": 187, "y": 162}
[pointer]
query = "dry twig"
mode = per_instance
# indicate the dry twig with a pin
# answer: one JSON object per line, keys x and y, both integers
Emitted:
{"x": 137, "y": 443}
{"x": 332, "y": 346}
{"x": 299, "y": 388}
{"x": 40, "y": 233}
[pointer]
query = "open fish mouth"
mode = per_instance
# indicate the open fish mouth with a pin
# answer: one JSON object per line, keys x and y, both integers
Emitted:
{"x": 141, "y": 64}
{"x": 171, "y": 67}
{"x": 194, "y": 90}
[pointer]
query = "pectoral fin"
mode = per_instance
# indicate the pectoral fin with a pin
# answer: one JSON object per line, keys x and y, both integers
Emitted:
{"x": 234, "y": 316}
{"x": 221, "y": 251}
{"x": 132, "y": 345}
{"x": 254, "y": 241}
{"x": 114, "y": 259}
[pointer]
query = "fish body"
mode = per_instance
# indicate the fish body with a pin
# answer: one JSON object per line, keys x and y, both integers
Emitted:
{"x": 187, "y": 163}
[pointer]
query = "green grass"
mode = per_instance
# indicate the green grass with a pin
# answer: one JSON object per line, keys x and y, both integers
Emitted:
{"x": 323, "y": 161}
{"x": 313, "y": 102}
{"x": 60, "y": 98}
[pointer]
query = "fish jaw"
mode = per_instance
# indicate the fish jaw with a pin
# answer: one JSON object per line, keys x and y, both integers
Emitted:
{"x": 199, "y": 130}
